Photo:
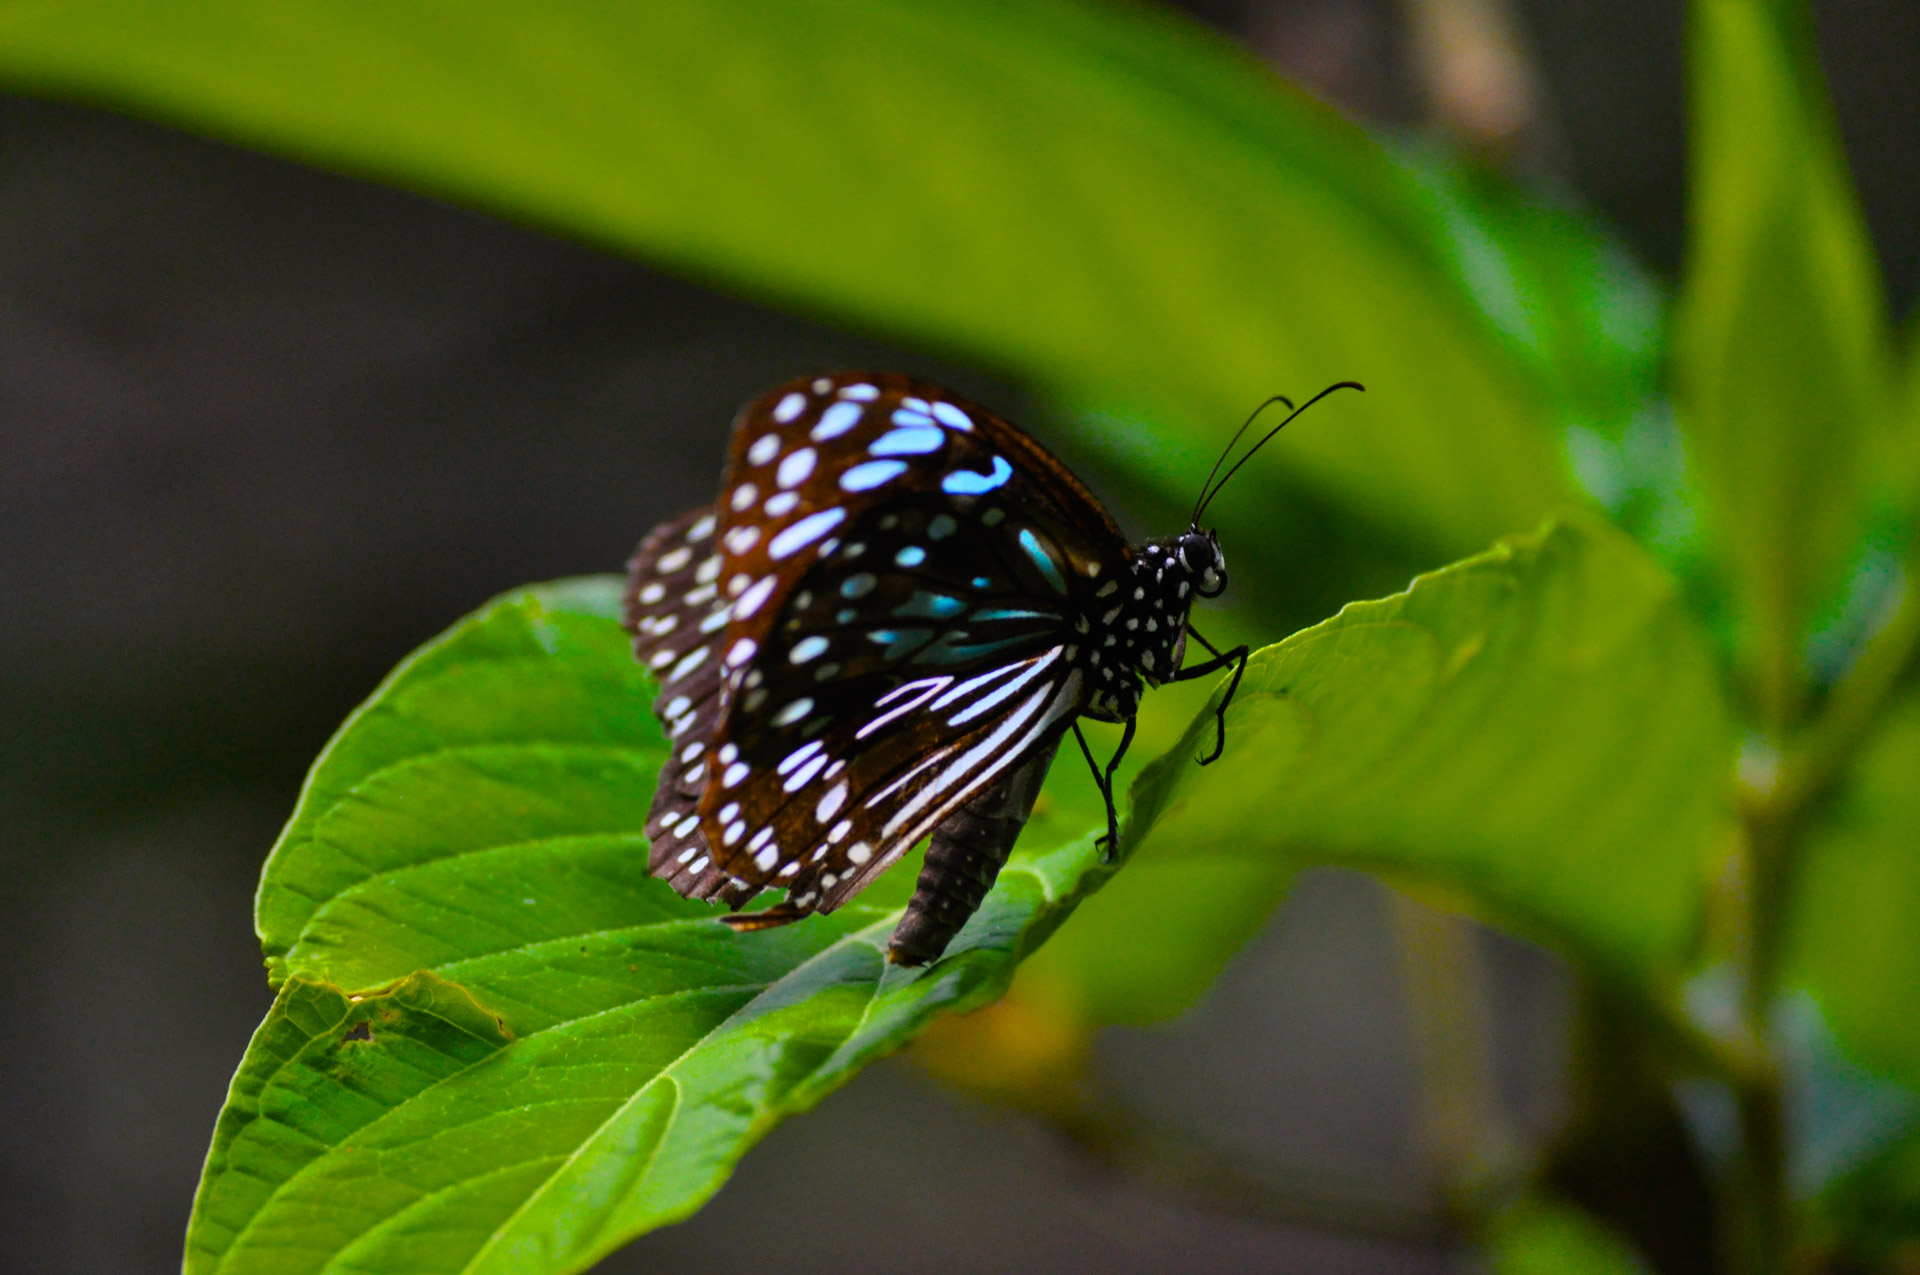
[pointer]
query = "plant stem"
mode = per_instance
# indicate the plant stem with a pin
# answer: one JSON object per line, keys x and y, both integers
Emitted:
{"x": 1776, "y": 816}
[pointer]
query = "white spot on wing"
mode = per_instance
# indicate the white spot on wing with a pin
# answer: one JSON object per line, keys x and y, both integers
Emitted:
{"x": 871, "y": 474}
{"x": 803, "y": 533}
{"x": 798, "y": 756}
{"x": 754, "y": 597}
{"x": 796, "y": 468}
{"x": 791, "y": 713}
{"x": 837, "y": 420}
{"x": 764, "y": 448}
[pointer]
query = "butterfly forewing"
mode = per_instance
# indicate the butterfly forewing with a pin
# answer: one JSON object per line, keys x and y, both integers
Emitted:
{"x": 902, "y": 575}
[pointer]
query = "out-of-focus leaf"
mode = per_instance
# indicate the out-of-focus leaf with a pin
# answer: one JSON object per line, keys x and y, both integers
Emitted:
{"x": 1839, "y": 1114}
{"x": 1905, "y": 463}
{"x": 1108, "y": 202}
{"x": 1874, "y": 1212}
{"x": 1538, "y": 729}
{"x": 1855, "y": 945}
{"x": 499, "y": 1044}
{"x": 1566, "y": 297}
{"x": 1540, "y": 1236}
{"x": 1780, "y": 345}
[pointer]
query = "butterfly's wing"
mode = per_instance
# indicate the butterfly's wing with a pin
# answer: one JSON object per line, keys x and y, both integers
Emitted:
{"x": 678, "y": 620}
{"x": 907, "y": 577}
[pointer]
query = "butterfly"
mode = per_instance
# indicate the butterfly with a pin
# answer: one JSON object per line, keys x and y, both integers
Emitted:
{"x": 880, "y": 631}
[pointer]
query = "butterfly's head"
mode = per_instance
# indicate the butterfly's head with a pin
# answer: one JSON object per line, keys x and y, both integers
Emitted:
{"x": 1199, "y": 554}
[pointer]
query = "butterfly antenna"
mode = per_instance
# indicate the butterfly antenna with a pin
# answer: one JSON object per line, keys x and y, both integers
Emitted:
{"x": 1200, "y": 504}
{"x": 1201, "y": 508}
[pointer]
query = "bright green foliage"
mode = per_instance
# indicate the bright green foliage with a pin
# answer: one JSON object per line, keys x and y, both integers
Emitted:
{"x": 1549, "y": 1237}
{"x": 559, "y": 1053}
{"x": 1857, "y": 946}
{"x": 499, "y": 1045}
{"x": 1552, "y": 691}
{"x": 1781, "y": 348}
{"x": 1103, "y": 201}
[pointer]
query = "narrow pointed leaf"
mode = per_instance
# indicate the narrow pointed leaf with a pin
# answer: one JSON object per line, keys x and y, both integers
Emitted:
{"x": 1781, "y": 345}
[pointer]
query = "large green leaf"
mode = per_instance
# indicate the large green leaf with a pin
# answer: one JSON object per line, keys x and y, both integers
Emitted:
{"x": 1538, "y": 729}
{"x": 1781, "y": 348}
{"x": 499, "y": 1044}
{"x": 1854, "y": 944}
{"x": 1105, "y": 201}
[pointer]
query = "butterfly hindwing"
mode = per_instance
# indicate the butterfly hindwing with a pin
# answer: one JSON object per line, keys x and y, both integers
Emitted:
{"x": 678, "y": 620}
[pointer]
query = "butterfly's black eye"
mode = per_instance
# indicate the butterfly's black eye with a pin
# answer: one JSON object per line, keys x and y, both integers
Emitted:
{"x": 1199, "y": 553}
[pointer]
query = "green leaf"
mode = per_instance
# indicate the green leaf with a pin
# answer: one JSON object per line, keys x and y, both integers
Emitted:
{"x": 1106, "y": 202}
{"x": 1538, "y": 730}
{"x": 1564, "y": 295}
{"x": 1541, "y": 1236}
{"x": 1875, "y": 1211}
{"x": 499, "y": 1045}
{"x": 1854, "y": 944}
{"x": 1781, "y": 350}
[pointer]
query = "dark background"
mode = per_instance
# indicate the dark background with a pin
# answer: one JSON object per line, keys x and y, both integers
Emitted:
{"x": 264, "y": 429}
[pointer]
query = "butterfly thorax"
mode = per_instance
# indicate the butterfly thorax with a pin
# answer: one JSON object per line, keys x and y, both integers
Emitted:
{"x": 1136, "y": 623}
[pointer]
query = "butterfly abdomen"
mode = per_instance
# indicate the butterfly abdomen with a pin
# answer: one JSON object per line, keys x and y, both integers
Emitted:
{"x": 964, "y": 858}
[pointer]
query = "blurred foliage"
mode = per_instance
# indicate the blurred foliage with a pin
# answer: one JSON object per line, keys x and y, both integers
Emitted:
{"x": 1782, "y": 322}
{"x": 1540, "y": 1236}
{"x": 1682, "y": 750}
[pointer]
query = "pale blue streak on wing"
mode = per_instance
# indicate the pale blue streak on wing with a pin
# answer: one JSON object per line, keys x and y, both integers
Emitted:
{"x": 964, "y": 482}
{"x": 907, "y": 442}
{"x": 874, "y": 473}
{"x": 1042, "y": 559}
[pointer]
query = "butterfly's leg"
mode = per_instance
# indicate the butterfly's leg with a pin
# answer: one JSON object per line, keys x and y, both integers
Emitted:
{"x": 1104, "y": 777}
{"x": 1106, "y": 793}
{"x": 1236, "y": 657}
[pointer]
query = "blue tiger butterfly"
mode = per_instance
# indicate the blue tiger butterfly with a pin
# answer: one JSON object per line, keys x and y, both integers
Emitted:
{"x": 881, "y": 630}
